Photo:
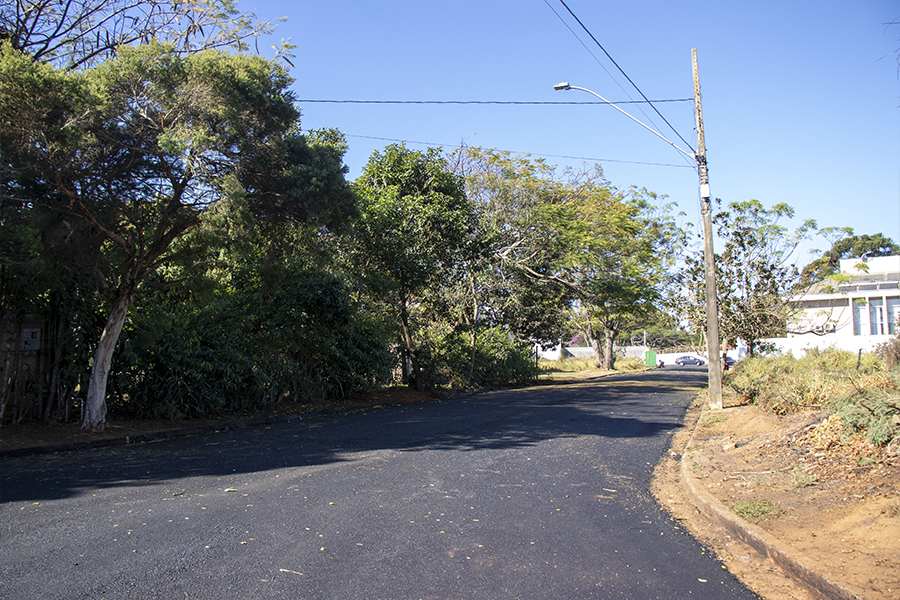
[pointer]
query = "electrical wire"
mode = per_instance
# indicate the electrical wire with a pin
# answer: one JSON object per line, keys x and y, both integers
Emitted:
{"x": 599, "y": 45}
{"x": 507, "y": 102}
{"x": 600, "y": 160}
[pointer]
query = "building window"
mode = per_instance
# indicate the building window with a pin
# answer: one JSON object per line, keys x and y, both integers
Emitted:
{"x": 893, "y": 315}
{"x": 876, "y": 316}
{"x": 859, "y": 305}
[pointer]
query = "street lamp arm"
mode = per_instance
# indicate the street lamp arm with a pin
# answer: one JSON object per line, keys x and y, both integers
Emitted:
{"x": 565, "y": 86}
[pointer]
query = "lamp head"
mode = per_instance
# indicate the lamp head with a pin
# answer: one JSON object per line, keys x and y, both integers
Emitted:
{"x": 562, "y": 86}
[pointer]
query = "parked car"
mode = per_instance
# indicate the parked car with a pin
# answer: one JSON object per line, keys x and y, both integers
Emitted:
{"x": 689, "y": 360}
{"x": 729, "y": 362}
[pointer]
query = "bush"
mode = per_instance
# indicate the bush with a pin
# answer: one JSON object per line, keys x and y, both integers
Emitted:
{"x": 247, "y": 349}
{"x": 890, "y": 352}
{"x": 447, "y": 359}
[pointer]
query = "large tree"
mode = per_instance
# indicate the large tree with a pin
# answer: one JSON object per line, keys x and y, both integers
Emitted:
{"x": 415, "y": 223}
{"x": 617, "y": 263}
{"x": 846, "y": 245}
{"x": 512, "y": 280}
{"x": 143, "y": 146}
{"x": 561, "y": 244}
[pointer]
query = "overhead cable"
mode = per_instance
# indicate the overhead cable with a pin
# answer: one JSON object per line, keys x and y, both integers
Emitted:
{"x": 602, "y": 160}
{"x": 323, "y": 101}
{"x": 599, "y": 45}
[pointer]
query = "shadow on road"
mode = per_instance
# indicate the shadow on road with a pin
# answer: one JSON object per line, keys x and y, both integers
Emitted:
{"x": 638, "y": 406}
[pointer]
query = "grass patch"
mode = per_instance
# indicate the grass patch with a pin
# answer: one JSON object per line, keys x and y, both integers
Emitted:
{"x": 577, "y": 365}
{"x": 568, "y": 365}
{"x": 755, "y": 510}
{"x": 713, "y": 419}
{"x": 802, "y": 479}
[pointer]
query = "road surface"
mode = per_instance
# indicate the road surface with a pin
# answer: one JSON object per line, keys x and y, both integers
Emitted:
{"x": 532, "y": 493}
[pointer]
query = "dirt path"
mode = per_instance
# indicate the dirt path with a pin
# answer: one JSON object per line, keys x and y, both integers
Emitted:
{"x": 832, "y": 501}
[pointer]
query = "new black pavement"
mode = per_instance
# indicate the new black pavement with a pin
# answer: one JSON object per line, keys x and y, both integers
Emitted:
{"x": 532, "y": 493}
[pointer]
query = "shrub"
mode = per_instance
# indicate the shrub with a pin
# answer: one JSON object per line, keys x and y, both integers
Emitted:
{"x": 890, "y": 352}
{"x": 249, "y": 348}
{"x": 866, "y": 398}
{"x": 447, "y": 358}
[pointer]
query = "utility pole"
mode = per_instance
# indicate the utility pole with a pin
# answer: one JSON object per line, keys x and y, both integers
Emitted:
{"x": 712, "y": 309}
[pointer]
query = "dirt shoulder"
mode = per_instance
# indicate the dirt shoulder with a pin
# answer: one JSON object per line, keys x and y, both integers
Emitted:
{"x": 52, "y": 437}
{"x": 829, "y": 501}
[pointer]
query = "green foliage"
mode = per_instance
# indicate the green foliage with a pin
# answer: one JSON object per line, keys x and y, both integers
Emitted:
{"x": 448, "y": 359}
{"x": 79, "y": 33}
{"x": 867, "y": 397}
{"x": 299, "y": 339}
{"x": 755, "y": 510}
{"x": 754, "y": 273}
{"x": 851, "y": 246}
{"x": 414, "y": 228}
{"x": 141, "y": 147}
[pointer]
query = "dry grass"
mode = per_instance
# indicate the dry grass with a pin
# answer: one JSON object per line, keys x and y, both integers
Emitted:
{"x": 862, "y": 390}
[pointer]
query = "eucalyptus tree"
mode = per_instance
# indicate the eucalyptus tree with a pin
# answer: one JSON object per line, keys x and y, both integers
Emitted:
{"x": 146, "y": 146}
{"x": 415, "y": 224}
{"x": 522, "y": 231}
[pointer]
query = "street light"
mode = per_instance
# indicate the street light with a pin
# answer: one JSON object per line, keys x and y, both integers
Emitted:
{"x": 566, "y": 86}
{"x": 712, "y": 311}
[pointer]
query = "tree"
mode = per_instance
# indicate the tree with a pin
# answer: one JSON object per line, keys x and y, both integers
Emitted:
{"x": 618, "y": 264}
{"x": 144, "y": 146}
{"x": 561, "y": 244}
{"x": 522, "y": 224}
{"x": 415, "y": 222}
{"x": 75, "y": 34}
{"x": 754, "y": 273}
{"x": 846, "y": 245}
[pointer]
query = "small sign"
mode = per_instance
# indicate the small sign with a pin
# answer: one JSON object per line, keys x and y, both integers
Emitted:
{"x": 31, "y": 341}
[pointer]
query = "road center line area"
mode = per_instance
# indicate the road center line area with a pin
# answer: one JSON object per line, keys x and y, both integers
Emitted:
{"x": 538, "y": 493}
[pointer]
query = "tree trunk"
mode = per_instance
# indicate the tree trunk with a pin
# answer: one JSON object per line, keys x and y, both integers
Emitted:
{"x": 598, "y": 352}
{"x": 54, "y": 398}
{"x": 7, "y": 349}
{"x": 410, "y": 349}
{"x": 609, "y": 357}
{"x": 610, "y": 331}
{"x": 95, "y": 402}
{"x": 595, "y": 345}
{"x": 474, "y": 336}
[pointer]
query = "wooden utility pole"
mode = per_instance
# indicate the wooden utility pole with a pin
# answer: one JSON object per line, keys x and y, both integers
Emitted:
{"x": 712, "y": 309}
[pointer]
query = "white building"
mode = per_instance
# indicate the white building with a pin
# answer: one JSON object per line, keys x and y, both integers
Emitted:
{"x": 857, "y": 312}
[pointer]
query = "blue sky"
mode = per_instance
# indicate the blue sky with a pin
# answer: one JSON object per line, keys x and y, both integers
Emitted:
{"x": 801, "y": 100}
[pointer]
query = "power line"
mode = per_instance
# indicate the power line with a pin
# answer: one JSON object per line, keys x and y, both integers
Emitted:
{"x": 585, "y": 46}
{"x": 599, "y": 45}
{"x": 601, "y": 160}
{"x": 506, "y": 102}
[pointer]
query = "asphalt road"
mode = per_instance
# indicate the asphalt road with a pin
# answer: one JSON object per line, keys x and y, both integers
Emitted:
{"x": 534, "y": 493}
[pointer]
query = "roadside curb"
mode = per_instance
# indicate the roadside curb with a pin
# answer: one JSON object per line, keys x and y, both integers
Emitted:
{"x": 795, "y": 566}
{"x": 129, "y": 440}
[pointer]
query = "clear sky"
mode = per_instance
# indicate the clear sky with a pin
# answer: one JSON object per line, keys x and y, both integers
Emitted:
{"x": 801, "y": 99}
